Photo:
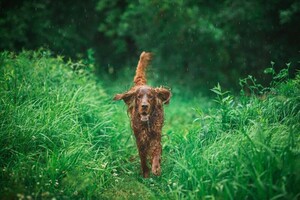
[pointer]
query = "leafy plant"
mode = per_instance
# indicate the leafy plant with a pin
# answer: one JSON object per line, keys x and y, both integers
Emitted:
{"x": 279, "y": 77}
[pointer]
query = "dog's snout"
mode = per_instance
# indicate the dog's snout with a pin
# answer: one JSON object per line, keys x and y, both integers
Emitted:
{"x": 144, "y": 103}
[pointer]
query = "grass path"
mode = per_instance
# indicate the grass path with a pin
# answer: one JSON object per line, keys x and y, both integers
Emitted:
{"x": 179, "y": 116}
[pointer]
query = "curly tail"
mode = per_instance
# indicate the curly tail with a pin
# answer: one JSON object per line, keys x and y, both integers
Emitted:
{"x": 140, "y": 75}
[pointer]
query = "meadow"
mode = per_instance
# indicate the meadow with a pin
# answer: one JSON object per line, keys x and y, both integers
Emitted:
{"x": 62, "y": 137}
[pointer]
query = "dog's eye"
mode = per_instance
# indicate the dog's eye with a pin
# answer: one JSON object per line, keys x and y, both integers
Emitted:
{"x": 150, "y": 96}
{"x": 139, "y": 96}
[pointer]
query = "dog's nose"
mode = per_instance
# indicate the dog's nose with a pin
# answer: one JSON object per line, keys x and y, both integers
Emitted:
{"x": 144, "y": 106}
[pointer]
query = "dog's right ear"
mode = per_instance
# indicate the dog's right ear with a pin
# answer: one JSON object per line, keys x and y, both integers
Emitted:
{"x": 126, "y": 97}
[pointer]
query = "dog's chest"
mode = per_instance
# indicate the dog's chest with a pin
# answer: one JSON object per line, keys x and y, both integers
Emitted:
{"x": 144, "y": 134}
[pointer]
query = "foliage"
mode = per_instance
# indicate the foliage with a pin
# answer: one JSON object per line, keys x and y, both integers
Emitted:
{"x": 61, "y": 26}
{"x": 196, "y": 43}
{"x": 201, "y": 42}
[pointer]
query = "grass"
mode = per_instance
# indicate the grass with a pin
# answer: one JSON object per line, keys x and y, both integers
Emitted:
{"x": 62, "y": 137}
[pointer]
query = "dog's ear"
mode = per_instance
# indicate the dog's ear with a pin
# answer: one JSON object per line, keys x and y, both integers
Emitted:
{"x": 127, "y": 97}
{"x": 163, "y": 94}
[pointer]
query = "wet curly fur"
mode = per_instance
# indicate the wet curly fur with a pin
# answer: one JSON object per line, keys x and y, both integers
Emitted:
{"x": 145, "y": 107}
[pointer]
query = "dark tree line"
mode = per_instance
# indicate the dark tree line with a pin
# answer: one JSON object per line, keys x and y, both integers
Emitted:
{"x": 195, "y": 42}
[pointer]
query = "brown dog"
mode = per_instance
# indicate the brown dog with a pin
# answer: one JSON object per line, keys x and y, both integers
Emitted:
{"x": 145, "y": 107}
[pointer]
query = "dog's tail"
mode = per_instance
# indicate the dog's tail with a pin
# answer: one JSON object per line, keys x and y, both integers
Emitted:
{"x": 140, "y": 75}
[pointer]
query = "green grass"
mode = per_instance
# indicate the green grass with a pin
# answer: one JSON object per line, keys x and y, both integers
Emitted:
{"x": 62, "y": 137}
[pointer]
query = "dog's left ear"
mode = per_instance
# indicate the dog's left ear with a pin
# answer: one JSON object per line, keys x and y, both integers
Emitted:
{"x": 163, "y": 94}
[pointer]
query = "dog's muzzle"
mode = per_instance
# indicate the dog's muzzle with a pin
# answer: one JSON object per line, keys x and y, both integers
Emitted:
{"x": 144, "y": 117}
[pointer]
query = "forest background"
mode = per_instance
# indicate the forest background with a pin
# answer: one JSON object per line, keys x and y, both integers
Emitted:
{"x": 196, "y": 43}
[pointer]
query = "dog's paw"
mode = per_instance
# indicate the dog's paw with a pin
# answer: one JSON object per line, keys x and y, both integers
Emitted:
{"x": 156, "y": 170}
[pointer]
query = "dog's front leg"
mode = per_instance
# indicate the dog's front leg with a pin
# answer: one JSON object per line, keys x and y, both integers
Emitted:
{"x": 156, "y": 158}
{"x": 143, "y": 157}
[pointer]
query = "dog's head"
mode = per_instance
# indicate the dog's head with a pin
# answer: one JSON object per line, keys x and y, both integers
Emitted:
{"x": 144, "y": 100}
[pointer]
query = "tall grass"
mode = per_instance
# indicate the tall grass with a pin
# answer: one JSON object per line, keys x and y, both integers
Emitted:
{"x": 55, "y": 124}
{"x": 242, "y": 148}
{"x": 62, "y": 137}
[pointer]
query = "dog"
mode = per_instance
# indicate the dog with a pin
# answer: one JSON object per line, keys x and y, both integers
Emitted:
{"x": 145, "y": 108}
